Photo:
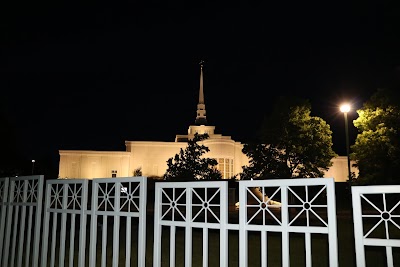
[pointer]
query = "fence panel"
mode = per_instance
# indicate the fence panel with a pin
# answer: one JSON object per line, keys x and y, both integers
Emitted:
{"x": 190, "y": 205}
{"x": 116, "y": 217}
{"x": 21, "y": 225}
{"x": 376, "y": 214}
{"x": 3, "y": 211}
{"x": 288, "y": 207}
{"x": 123, "y": 200}
{"x": 65, "y": 214}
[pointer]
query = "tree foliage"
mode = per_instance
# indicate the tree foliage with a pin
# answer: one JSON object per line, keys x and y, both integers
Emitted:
{"x": 189, "y": 165}
{"x": 137, "y": 172}
{"x": 292, "y": 144}
{"x": 376, "y": 150}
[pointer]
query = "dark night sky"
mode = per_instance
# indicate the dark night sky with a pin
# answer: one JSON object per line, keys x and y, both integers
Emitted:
{"x": 90, "y": 76}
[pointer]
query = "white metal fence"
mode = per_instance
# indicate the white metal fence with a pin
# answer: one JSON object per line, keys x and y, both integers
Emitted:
{"x": 21, "y": 207}
{"x": 304, "y": 206}
{"x": 103, "y": 222}
{"x": 66, "y": 213}
{"x": 201, "y": 205}
{"x": 120, "y": 199}
{"x": 376, "y": 215}
{"x": 308, "y": 206}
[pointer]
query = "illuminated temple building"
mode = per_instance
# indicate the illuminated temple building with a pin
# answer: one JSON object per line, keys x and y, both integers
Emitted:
{"x": 151, "y": 157}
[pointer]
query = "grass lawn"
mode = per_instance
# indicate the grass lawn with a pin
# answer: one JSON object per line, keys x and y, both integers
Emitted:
{"x": 375, "y": 256}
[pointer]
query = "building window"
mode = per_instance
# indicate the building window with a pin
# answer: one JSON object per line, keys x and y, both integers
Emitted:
{"x": 114, "y": 173}
{"x": 225, "y": 166}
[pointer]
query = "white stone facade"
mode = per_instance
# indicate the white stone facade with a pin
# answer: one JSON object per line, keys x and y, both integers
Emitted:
{"x": 151, "y": 158}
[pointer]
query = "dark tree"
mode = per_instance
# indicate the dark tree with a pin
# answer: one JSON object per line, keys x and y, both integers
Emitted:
{"x": 189, "y": 165}
{"x": 292, "y": 144}
{"x": 377, "y": 149}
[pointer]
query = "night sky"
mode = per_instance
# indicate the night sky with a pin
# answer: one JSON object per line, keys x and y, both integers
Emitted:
{"x": 89, "y": 76}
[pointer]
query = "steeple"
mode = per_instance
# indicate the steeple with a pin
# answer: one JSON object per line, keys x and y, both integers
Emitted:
{"x": 201, "y": 107}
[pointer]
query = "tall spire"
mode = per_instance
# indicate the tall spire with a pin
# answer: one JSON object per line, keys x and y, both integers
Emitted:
{"x": 201, "y": 107}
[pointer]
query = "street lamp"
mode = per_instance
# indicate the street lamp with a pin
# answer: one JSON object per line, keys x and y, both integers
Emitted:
{"x": 33, "y": 165}
{"x": 345, "y": 108}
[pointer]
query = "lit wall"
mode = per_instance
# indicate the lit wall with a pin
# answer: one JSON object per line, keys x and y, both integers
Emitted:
{"x": 93, "y": 164}
{"x": 339, "y": 169}
{"x": 151, "y": 158}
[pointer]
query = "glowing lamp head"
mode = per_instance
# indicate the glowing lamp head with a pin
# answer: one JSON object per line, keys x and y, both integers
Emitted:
{"x": 345, "y": 108}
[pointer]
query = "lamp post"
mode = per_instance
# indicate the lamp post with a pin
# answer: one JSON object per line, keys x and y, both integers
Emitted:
{"x": 33, "y": 166}
{"x": 345, "y": 108}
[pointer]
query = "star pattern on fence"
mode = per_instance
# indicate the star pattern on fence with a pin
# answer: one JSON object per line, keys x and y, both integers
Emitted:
{"x": 2, "y": 185}
{"x": 18, "y": 190}
{"x": 307, "y": 206}
{"x": 130, "y": 196}
{"x": 206, "y": 204}
{"x": 385, "y": 216}
{"x": 264, "y": 205}
{"x": 55, "y": 196}
{"x": 173, "y": 206}
{"x": 74, "y": 196}
{"x": 32, "y": 191}
{"x": 107, "y": 196}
